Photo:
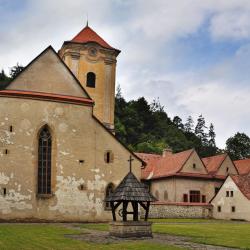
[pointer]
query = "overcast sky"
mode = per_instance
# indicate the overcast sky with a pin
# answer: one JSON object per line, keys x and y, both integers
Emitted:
{"x": 192, "y": 54}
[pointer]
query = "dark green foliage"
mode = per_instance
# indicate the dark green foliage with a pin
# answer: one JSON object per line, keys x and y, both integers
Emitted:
{"x": 238, "y": 146}
{"x": 200, "y": 130}
{"x": 147, "y": 128}
{"x": 15, "y": 70}
{"x": 189, "y": 125}
{"x": 4, "y": 79}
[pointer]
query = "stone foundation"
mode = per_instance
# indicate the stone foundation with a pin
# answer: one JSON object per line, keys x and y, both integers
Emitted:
{"x": 176, "y": 210}
{"x": 130, "y": 229}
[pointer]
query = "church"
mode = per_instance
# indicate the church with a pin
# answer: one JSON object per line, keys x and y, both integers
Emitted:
{"x": 59, "y": 157}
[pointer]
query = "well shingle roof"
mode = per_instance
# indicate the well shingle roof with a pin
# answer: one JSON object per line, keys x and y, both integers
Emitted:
{"x": 243, "y": 166}
{"x": 243, "y": 183}
{"x": 130, "y": 189}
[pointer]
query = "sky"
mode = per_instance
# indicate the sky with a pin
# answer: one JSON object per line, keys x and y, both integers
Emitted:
{"x": 193, "y": 55}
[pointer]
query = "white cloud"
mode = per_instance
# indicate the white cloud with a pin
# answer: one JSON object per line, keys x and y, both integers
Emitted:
{"x": 147, "y": 33}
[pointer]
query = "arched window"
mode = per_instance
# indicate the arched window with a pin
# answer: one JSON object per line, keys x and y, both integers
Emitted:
{"x": 91, "y": 80}
{"x": 109, "y": 190}
{"x": 44, "y": 161}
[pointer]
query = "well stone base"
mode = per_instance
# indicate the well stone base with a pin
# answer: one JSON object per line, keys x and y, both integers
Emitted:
{"x": 130, "y": 229}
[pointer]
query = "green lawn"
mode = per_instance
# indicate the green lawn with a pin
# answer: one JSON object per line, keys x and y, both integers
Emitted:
{"x": 170, "y": 220}
{"x": 214, "y": 232}
{"x": 223, "y": 234}
{"x": 51, "y": 237}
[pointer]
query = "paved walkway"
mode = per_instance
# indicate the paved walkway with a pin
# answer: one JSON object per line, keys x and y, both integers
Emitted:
{"x": 102, "y": 237}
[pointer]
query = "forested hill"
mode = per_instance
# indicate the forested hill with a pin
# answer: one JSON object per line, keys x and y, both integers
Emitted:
{"x": 145, "y": 127}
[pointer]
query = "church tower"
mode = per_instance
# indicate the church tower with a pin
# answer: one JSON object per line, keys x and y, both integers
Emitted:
{"x": 93, "y": 62}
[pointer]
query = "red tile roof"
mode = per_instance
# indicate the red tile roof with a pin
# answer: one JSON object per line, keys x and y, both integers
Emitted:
{"x": 243, "y": 183}
{"x": 159, "y": 166}
{"x": 243, "y": 166}
{"x": 213, "y": 163}
{"x": 151, "y": 160}
{"x": 89, "y": 35}
{"x": 46, "y": 96}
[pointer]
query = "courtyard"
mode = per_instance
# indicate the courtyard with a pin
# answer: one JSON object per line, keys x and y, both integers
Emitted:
{"x": 168, "y": 234}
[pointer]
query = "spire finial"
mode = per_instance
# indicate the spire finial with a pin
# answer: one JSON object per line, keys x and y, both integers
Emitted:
{"x": 87, "y": 23}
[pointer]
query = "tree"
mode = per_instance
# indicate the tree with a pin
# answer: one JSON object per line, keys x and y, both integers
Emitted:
{"x": 211, "y": 135}
{"x": 15, "y": 70}
{"x": 4, "y": 79}
{"x": 189, "y": 125}
{"x": 200, "y": 130}
{"x": 155, "y": 106}
{"x": 238, "y": 146}
{"x": 178, "y": 122}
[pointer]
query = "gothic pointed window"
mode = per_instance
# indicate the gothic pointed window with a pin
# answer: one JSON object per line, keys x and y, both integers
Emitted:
{"x": 44, "y": 161}
{"x": 91, "y": 80}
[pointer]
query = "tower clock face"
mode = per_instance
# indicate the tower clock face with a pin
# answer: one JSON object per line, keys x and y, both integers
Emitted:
{"x": 92, "y": 51}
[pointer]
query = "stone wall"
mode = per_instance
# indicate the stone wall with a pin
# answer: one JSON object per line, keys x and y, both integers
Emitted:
{"x": 175, "y": 210}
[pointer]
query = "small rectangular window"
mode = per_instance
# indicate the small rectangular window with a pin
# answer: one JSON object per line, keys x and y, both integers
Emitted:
{"x": 4, "y": 191}
{"x": 232, "y": 193}
{"x": 6, "y": 151}
{"x": 185, "y": 198}
{"x": 227, "y": 194}
{"x": 109, "y": 156}
{"x": 81, "y": 161}
{"x": 204, "y": 198}
{"x": 194, "y": 165}
{"x": 11, "y": 128}
{"x": 194, "y": 196}
{"x": 233, "y": 209}
{"x": 219, "y": 209}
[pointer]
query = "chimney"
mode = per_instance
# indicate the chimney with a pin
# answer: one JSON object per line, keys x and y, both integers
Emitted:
{"x": 167, "y": 152}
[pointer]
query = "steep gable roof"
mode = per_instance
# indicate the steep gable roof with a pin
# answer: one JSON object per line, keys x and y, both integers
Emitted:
{"x": 159, "y": 166}
{"x": 47, "y": 73}
{"x": 243, "y": 183}
{"x": 243, "y": 166}
{"x": 151, "y": 161}
{"x": 213, "y": 163}
{"x": 89, "y": 35}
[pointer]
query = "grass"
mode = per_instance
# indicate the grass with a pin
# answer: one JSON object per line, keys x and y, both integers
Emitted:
{"x": 44, "y": 236}
{"x": 183, "y": 220}
{"x": 222, "y": 234}
{"x": 214, "y": 232}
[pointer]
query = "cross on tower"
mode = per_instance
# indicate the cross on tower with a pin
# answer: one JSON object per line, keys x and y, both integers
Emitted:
{"x": 130, "y": 163}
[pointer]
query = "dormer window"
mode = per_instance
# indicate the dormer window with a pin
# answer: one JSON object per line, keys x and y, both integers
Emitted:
{"x": 91, "y": 77}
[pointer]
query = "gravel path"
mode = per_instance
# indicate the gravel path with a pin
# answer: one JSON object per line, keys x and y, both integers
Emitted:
{"x": 102, "y": 237}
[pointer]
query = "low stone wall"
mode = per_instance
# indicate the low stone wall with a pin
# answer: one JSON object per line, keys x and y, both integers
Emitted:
{"x": 179, "y": 210}
{"x": 129, "y": 229}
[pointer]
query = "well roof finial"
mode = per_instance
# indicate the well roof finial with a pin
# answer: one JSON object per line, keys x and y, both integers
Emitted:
{"x": 130, "y": 163}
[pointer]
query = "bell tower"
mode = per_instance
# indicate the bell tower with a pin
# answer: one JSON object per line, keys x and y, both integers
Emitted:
{"x": 93, "y": 62}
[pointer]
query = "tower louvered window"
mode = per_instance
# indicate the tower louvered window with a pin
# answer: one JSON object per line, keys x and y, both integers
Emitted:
{"x": 44, "y": 161}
